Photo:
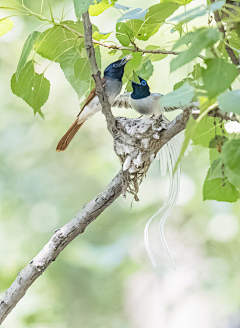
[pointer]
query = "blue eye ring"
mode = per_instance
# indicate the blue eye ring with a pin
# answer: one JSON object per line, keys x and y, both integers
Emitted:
{"x": 115, "y": 65}
{"x": 143, "y": 83}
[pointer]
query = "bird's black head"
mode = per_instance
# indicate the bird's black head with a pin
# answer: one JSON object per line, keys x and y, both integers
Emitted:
{"x": 140, "y": 90}
{"x": 115, "y": 70}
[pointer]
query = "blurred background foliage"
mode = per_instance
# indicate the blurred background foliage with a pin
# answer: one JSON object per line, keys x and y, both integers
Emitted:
{"x": 104, "y": 277}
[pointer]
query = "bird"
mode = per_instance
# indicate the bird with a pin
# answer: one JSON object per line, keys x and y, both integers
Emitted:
{"x": 142, "y": 100}
{"x": 112, "y": 84}
{"x": 148, "y": 104}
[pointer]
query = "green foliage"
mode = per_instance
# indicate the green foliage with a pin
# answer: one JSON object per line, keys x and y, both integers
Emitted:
{"x": 75, "y": 66}
{"x": 81, "y": 6}
{"x": 230, "y": 101}
{"x": 6, "y": 25}
{"x": 218, "y": 70}
{"x": 231, "y": 155}
{"x": 27, "y": 48}
{"x": 205, "y": 132}
{"x": 99, "y": 7}
{"x": 215, "y": 190}
{"x": 32, "y": 87}
{"x": 200, "y": 39}
{"x": 54, "y": 41}
{"x": 180, "y": 97}
{"x": 208, "y": 78}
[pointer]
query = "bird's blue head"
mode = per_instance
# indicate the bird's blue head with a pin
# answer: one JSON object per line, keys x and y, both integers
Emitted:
{"x": 140, "y": 90}
{"x": 115, "y": 70}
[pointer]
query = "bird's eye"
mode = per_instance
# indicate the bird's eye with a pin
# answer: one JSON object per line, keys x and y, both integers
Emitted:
{"x": 115, "y": 65}
{"x": 143, "y": 83}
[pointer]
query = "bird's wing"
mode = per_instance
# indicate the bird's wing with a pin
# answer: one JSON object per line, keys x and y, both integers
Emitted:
{"x": 123, "y": 100}
{"x": 91, "y": 95}
{"x": 165, "y": 109}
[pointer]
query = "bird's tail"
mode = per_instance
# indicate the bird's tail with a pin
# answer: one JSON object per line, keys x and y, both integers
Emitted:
{"x": 66, "y": 139}
{"x": 168, "y": 157}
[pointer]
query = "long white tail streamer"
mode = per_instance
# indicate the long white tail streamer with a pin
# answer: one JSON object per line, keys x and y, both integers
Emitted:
{"x": 168, "y": 156}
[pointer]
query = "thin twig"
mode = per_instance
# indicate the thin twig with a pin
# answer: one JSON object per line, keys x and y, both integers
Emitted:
{"x": 118, "y": 47}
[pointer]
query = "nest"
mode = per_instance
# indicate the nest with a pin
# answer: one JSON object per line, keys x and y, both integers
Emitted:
{"x": 136, "y": 143}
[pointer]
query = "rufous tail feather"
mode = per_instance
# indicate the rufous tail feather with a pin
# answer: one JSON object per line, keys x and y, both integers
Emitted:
{"x": 66, "y": 139}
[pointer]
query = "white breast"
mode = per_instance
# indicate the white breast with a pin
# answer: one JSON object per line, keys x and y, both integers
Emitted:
{"x": 147, "y": 106}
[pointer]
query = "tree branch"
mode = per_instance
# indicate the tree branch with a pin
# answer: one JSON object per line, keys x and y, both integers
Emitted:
{"x": 135, "y": 49}
{"x": 106, "y": 108}
{"x": 57, "y": 243}
{"x": 63, "y": 236}
{"x": 221, "y": 28}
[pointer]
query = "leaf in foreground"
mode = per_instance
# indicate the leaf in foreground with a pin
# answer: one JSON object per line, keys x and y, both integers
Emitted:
{"x": 218, "y": 76}
{"x": 214, "y": 190}
{"x": 28, "y": 46}
{"x": 230, "y": 101}
{"x": 5, "y": 26}
{"x": 32, "y": 87}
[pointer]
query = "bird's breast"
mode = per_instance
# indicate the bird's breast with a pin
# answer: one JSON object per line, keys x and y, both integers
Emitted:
{"x": 146, "y": 106}
{"x": 112, "y": 88}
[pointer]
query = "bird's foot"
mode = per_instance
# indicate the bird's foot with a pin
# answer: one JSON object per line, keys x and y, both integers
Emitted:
{"x": 152, "y": 116}
{"x": 141, "y": 116}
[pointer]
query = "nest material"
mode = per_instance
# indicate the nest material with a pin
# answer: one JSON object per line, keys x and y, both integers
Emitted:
{"x": 135, "y": 143}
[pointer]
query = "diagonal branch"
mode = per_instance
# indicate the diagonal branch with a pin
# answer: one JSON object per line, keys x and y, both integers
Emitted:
{"x": 221, "y": 28}
{"x": 90, "y": 212}
{"x": 61, "y": 238}
{"x": 106, "y": 108}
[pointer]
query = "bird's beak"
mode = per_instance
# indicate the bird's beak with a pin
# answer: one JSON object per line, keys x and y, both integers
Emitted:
{"x": 125, "y": 60}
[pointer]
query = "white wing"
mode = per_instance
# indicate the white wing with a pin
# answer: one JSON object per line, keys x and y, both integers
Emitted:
{"x": 123, "y": 101}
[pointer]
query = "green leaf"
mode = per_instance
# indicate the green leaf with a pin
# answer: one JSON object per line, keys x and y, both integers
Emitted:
{"x": 205, "y": 131}
{"x": 180, "y": 97}
{"x": 232, "y": 177}
{"x": 200, "y": 39}
{"x": 55, "y": 41}
{"x": 180, "y": 2}
{"x": 76, "y": 70}
{"x": 137, "y": 13}
{"x": 143, "y": 30}
{"x": 159, "y": 12}
{"x": 230, "y": 101}
{"x": 197, "y": 12}
{"x": 81, "y": 6}
{"x": 32, "y": 87}
{"x": 124, "y": 34}
{"x": 6, "y": 25}
{"x": 27, "y": 48}
{"x": 216, "y": 169}
{"x": 146, "y": 70}
{"x": 100, "y": 36}
{"x": 98, "y": 8}
{"x": 218, "y": 76}
{"x": 231, "y": 155}
{"x": 214, "y": 190}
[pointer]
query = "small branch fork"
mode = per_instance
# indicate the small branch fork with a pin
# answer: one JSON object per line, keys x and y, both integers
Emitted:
{"x": 91, "y": 211}
{"x": 114, "y": 47}
{"x": 221, "y": 28}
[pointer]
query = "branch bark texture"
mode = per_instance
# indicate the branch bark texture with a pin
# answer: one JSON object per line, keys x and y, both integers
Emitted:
{"x": 106, "y": 108}
{"x": 61, "y": 238}
{"x": 156, "y": 134}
